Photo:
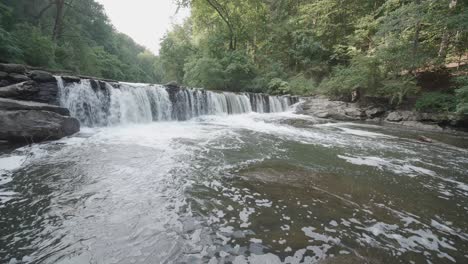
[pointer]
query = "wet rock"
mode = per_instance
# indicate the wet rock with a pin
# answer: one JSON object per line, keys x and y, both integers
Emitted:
{"x": 4, "y": 83}
{"x": 394, "y": 117}
{"x": 324, "y": 108}
{"x": 41, "y": 76}
{"x": 3, "y": 75}
{"x": 13, "y": 105}
{"x": 374, "y": 112}
{"x": 12, "y": 68}
{"x": 16, "y": 77}
{"x": 172, "y": 84}
{"x": 425, "y": 139}
{"x": 355, "y": 113}
{"x": 19, "y": 89}
{"x": 28, "y": 126}
{"x": 421, "y": 126}
{"x": 71, "y": 79}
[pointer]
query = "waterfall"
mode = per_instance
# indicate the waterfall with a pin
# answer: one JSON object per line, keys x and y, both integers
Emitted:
{"x": 98, "y": 103}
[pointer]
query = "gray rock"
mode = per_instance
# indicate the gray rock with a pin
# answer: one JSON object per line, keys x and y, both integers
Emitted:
{"x": 422, "y": 126}
{"x": 324, "y": 108}
{"x": 394, "y": 117}
{"x": 355, "y": 113}
{"x": 3, "y": 75}
{"x": 4, "y": 83}
{"x": 12, "y": 105}
{"x": 71, "y": 79}
{"x": 41, "y": 76}
{"x": 28, "y": 126}
{"x": 172, "y": 84}
{"x": 19, "y": 89}
{"x": 374, "y": 112}
{"x": 16, "y": 77}
{"x": 12, "y": 68}
{"x": 398, "y": 116}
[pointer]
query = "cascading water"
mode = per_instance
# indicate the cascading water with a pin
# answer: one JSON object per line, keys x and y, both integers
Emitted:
{"x": 97, "y": 103}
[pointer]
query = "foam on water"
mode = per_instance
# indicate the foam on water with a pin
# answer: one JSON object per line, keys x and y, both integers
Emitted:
{"x": 191, "y": 192}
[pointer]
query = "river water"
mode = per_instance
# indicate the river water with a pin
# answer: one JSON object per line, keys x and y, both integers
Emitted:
{"x": 245, "y": 188}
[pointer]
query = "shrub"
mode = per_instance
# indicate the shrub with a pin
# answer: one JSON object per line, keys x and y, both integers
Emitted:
{"x": 37, "y": 49}
{"x": 204, "y": 72}
{"x": 462, "y": 94}
{"x": 8, "y": 47}
{"x": 300, "y": 85}
{"x": 278, "y": 86}
{"x": 436, "y": 102}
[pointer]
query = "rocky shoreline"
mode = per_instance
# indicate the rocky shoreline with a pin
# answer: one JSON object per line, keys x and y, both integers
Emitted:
{"x": 324, "y": 108}
{"x": 29, "y": 107}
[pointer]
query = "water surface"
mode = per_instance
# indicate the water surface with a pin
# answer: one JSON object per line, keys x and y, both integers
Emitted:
{"x": 258, "y": 188}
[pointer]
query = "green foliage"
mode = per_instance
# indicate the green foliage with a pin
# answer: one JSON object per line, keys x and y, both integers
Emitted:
{"x": 88, "y": 43}
{"x": 204, "y": 72}
{"x": 333, "y": 47}
{"x": 37, "y": 49}
{"x": 9, "y": 49}
{"x": 462, "y": 95}
{"x": 278, "y": 86}
{"x": 436, "y": 102}
{"x": 301, "y": 85}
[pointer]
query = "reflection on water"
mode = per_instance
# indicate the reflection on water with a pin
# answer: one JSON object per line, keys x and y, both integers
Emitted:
{"x": 253, "y": 188}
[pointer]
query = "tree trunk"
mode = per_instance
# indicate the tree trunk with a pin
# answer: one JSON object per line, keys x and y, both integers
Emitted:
{"x": 59, "y": 4}
{"x": 444, "y": 45}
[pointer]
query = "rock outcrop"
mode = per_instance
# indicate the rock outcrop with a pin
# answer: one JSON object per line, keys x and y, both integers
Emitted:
{"x": 29, "y": 126}
{"x": 322, "y": 107}
{"x": 29, "y": 110}
{"x": 14, "y": 105}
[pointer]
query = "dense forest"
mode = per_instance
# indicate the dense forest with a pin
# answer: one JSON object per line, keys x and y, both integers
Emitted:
{"x": 72, "y": 35}
{"x": 340, "y": 48}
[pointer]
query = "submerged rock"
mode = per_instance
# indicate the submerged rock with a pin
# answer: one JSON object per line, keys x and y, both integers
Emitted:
{"x": 28, "y": 126}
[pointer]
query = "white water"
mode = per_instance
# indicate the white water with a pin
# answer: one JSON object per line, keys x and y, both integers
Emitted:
{"x": 100, "y": 104}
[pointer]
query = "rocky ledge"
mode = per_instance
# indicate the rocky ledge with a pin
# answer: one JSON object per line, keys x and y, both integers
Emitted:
{"x": 29, "y": 110}
{"x": 322, "y": 107}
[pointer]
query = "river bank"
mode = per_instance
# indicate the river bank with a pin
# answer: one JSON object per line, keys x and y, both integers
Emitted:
{"x": 383, "y": 114}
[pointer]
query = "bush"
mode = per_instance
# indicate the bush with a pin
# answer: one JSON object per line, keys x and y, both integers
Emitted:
{"x": 300, "y": 85}
{"x": 462, "y": 94}
{"x": 436, "y": 102}
{"x": 278, "y": 86}
{"x": 8, "y": 47}
{"x": 37, "y": 49}
{"x": 363, "y": 74}
{"x": 239, "y": 71}
{"x": 204, "y": 72}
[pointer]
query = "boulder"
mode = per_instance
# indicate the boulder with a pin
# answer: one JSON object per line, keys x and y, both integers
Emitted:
{"x": 172, "y": 84}
{"x": 374, "y": 112}
{"x": 3, "y": 75}
{"x": 394, "y": 117}
{"x": 41, "y": 76}
{"x": 19, "y": 89}
{"x": 398, "y": 116}
{"x": 421, "y": 126}
{"x": 71, "y": 79}
{"x": 4, "y": 83}
{"x": 16, "y": 77}
{"x": 13, "y": 105}
{"x": 28, "y": 126}
{"x": 12, "y": 68}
